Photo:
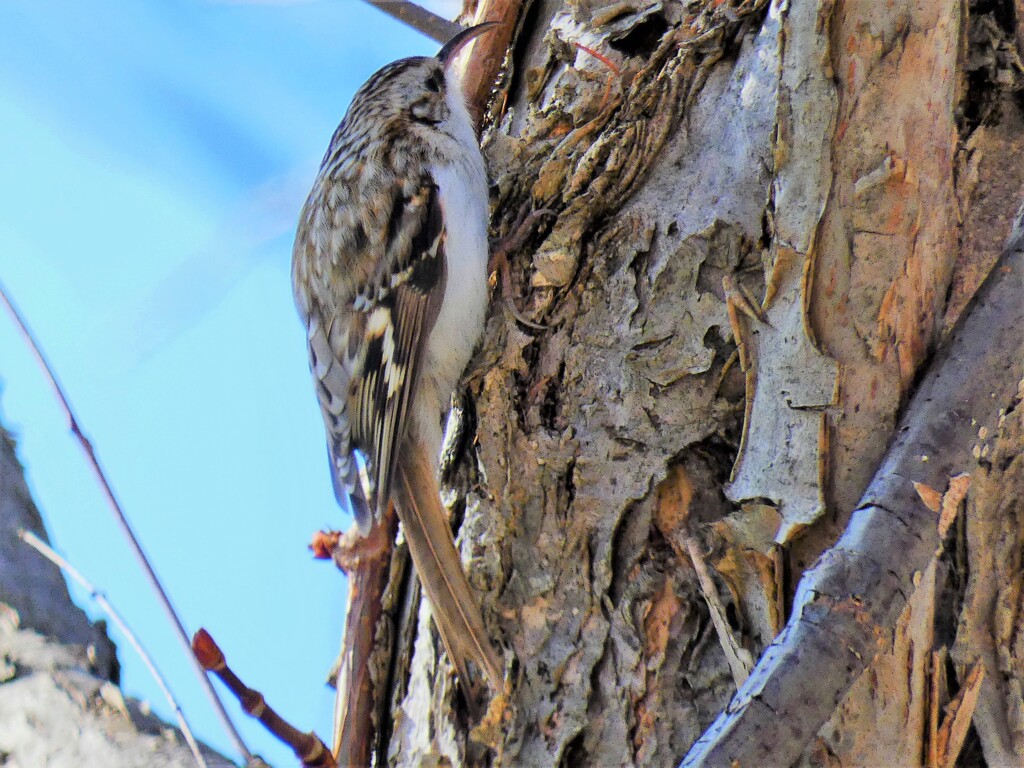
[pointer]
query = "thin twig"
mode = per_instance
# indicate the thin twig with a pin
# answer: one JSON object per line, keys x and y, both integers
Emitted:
{"x": 739, "y": 658}
{"x": 42, "y": 548}
{"x": 308, "y": 747}
{"x": 358, "y": 699}
{"x": 122, "y": 522}
{"x": 423, "y": 21}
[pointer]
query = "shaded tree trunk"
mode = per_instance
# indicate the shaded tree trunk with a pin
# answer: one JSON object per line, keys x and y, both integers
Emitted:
{"x": 765, "y": 215}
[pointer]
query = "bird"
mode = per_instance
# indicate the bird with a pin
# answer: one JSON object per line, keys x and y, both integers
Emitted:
{"x": 389, "y": 275}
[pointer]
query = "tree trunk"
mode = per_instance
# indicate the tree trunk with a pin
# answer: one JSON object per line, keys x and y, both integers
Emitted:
{"x": 763, "y": 218}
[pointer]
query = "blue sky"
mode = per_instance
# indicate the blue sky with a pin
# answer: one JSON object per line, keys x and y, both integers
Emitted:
{"x": 153, "y": 159}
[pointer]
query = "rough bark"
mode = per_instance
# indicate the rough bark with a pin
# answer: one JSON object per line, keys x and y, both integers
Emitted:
{"x": 762, "y": 218}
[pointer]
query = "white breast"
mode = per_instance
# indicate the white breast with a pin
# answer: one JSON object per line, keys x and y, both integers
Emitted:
{"x": 462, "y": 191}
{"x": 460, "y": 321}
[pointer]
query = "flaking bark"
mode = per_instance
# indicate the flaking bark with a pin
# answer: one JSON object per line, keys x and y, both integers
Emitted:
{"x": 780, "y": 185}
{"x": 847, "y": 606}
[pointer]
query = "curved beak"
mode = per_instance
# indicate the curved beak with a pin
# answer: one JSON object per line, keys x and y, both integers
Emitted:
{"x": 451, "y": 49}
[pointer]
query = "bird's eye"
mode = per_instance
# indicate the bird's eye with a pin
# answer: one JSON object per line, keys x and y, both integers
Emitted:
{"x": 428, "y": 110}
{"x": 433, "y": 82}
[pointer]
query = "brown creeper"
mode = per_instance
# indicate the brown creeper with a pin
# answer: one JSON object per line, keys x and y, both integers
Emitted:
{"x": 389, "y": 274}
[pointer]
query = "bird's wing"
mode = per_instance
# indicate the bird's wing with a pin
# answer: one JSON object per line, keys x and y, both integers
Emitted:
{"x": 392, "y": 322}
{"x": 367, "y": 362}
{"x": 331, "y": 362}
{"x": 384, "y": 341}
{"x": 365, "y": 357}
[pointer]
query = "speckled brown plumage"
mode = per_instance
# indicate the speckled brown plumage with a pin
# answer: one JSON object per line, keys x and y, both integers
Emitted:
{"x": 389, "y": 275}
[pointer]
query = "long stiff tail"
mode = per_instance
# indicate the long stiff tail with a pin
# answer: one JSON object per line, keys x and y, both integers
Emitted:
{"x": 425, "y": 522}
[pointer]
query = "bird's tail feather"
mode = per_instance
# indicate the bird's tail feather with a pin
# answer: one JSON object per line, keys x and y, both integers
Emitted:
{"x": 347, "y": 478}
{"x": 439, "y": 567}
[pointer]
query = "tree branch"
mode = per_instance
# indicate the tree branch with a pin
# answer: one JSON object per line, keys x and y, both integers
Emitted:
{"x": 359, "y": 700}
{"x": 308, "y": 747}
{"x": 846, "y": 607}
{"x": 423, "y": 21}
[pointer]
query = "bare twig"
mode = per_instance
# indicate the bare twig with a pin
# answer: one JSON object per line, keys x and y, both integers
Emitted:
{"x": 357, "y": 697}
{"x": 42, "y": 548}
{"x": 739, "y": 658}
{"x": 307, "y": 746}
{"x": 423, "y": 21}
{"x": 122, "y": 522}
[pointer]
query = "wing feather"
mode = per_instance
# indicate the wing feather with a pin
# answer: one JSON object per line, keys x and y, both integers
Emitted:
{"x": 366, "y": 358}
{"x": 396, "y": 327}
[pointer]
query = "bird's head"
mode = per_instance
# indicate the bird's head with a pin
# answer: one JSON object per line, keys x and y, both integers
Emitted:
{"x": 421, "y": 91}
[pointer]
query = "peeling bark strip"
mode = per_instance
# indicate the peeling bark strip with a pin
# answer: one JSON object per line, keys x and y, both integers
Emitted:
{"x": 888, "y": 239}
{"x": 990, "y": 627}
{"x": 789, "y": 383}
{"x": 847, "y": 605}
